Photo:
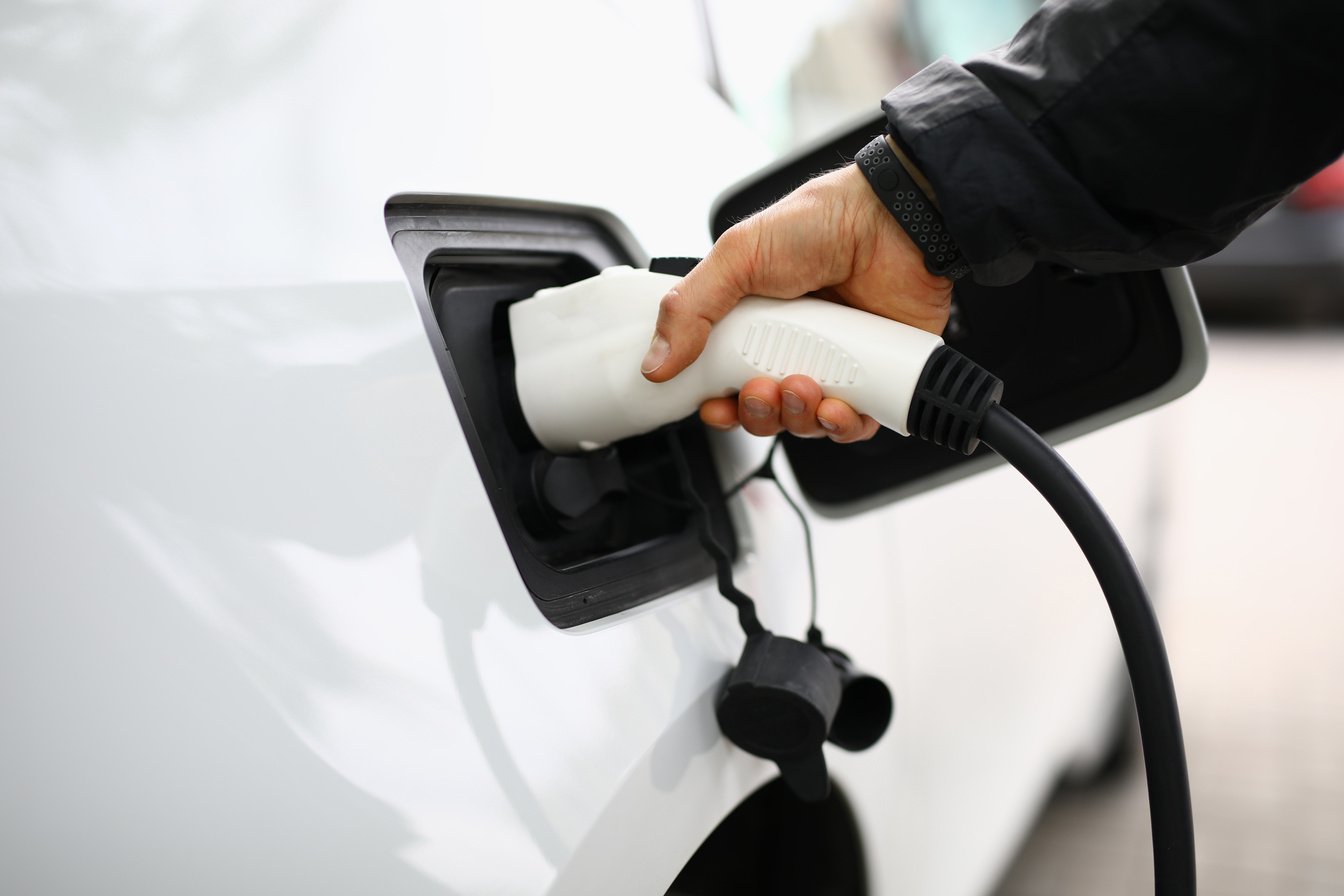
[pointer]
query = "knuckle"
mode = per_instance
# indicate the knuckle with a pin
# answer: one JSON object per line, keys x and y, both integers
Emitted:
{"x": 739, "y": 248}
{"x": 673, "y": 304}
{"x": 739, "y": 233}
{"x": 730, "y": 237}
{"x": 812, "y": 188}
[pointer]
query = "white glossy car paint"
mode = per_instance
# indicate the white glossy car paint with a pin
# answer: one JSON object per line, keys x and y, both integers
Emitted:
{"x": 260, "y": 630}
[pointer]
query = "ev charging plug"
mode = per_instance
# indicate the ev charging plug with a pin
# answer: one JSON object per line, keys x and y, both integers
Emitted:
{"x": 578, "y": 349}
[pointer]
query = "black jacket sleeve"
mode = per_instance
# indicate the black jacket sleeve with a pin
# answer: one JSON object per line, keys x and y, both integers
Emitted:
{"x": 1126, "y": 134}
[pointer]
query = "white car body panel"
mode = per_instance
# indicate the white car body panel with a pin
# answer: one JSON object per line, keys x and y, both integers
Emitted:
{"x": 260, "y": 630}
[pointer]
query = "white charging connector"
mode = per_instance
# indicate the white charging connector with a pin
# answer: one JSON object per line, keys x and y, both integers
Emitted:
{"x": 578, "y": 348}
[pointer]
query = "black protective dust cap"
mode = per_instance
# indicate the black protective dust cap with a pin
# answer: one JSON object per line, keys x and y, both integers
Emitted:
{"x": 866, "y": 706}
{"x": 778, "y": 703}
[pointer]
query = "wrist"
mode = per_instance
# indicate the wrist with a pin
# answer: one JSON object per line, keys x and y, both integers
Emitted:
{"x": 893, "y": 240}
{"x": 907, "y": 199}
{"x": 912, "y": 169}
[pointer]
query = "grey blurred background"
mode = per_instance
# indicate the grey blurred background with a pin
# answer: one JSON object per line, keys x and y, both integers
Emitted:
{"x": 1251, "y": 584}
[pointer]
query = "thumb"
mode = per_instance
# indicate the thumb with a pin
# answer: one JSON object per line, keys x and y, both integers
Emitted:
{"x": 692, "y": 307}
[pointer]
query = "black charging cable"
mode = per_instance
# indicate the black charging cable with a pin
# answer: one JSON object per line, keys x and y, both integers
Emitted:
{"x": 956, "y": 405}
{"x": 1140, "y": 639}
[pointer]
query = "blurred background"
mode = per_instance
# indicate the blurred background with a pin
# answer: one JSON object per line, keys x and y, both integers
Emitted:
{"x": 1251, "y": 582}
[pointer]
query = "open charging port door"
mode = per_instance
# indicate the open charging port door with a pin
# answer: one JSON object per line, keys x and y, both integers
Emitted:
{"x": 592, "y": 535}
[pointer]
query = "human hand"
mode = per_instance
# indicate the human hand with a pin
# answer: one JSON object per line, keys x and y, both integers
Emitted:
{"x": 831, "y": 237}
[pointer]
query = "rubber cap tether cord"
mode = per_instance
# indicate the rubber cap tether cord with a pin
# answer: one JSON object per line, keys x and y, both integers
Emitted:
{"x": 723, "y": 563}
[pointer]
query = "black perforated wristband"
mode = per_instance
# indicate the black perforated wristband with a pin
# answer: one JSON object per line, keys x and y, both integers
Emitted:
{"x": 912, "y": 209}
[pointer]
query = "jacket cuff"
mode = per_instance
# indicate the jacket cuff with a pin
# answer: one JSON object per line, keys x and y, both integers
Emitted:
{"x": 933, "y": 115}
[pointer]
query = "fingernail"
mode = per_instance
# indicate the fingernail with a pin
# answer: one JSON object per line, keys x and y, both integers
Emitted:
{"x": 756, "y": 407}
{"x": 792, "y": 403}
{"x": 656, "y": 355}
{"x": 827, "y": 425}
{"x": 724, "y": 427}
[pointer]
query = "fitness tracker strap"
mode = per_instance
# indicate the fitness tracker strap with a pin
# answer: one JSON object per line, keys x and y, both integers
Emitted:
{"x": 912, "y": 210}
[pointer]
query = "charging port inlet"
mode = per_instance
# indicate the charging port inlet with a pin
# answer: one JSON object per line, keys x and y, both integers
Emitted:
{"x": 591, "y": 535}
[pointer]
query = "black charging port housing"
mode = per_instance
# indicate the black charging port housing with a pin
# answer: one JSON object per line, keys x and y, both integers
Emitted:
{"x": 592, "y": 534}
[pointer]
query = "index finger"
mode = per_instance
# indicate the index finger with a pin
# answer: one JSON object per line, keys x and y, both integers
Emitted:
{"x": 700, "y": 300}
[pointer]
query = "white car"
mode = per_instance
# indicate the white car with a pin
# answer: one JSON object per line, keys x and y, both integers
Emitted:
{"x": 277, "y": 614}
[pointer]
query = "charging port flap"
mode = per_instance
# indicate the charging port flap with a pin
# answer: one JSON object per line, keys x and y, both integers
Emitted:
{"x": 591, "y": 535}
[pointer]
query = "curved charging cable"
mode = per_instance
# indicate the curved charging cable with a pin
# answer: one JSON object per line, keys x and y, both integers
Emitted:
{"x": 956, "y": 404}
{"x": 1140, "y": 639}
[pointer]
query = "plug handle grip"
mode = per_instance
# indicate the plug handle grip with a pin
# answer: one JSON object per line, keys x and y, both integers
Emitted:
{"x": 578, "y": 350}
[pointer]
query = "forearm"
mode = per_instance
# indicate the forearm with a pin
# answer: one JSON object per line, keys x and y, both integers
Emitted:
{"x": 1125, "y": 135}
